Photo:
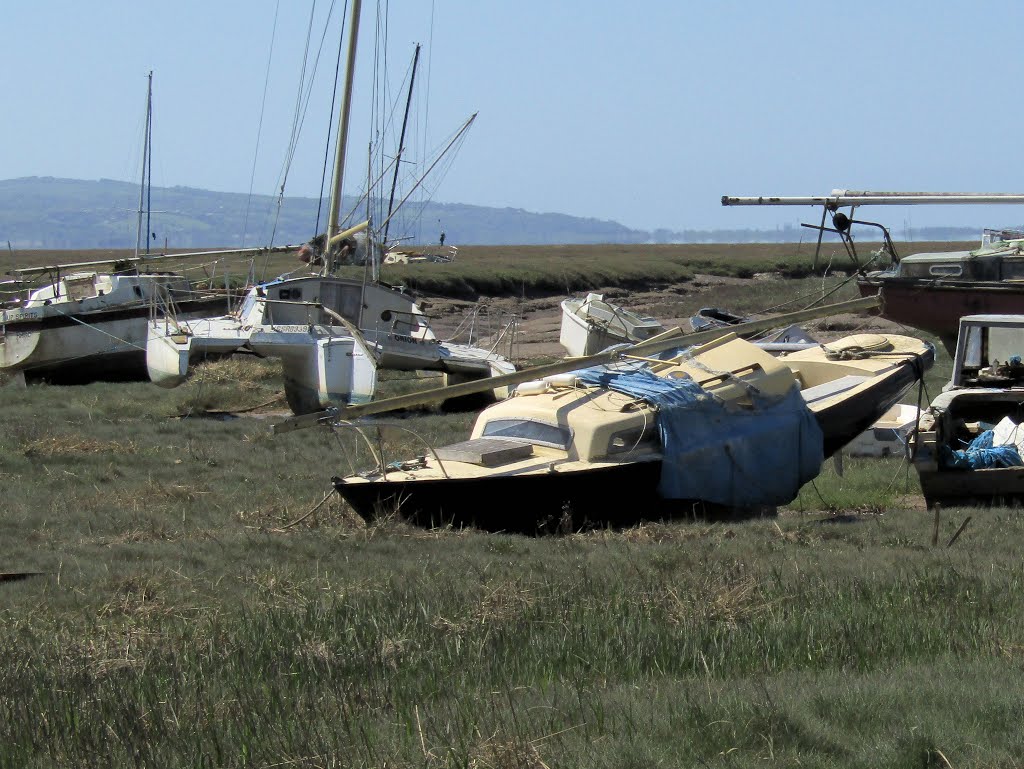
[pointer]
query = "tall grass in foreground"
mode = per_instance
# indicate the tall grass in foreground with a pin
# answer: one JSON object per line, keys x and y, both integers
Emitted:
{"x": 674, "y": 644}
{"x": 190, "y": 614}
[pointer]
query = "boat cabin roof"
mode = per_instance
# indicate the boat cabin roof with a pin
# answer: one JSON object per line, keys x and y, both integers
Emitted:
{"x": 592, "y": 422}
{"x": 992, "y": 320}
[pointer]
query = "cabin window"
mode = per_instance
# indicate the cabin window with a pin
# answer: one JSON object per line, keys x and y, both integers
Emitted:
{"x": 984, "y": 349}
{"x": 972, "y": 348}
{"x": 1003, "y": 344}
{"x": 1013, "y": 269}
{"x": 537, "y": 433}
{"x": 628, "y": 440}
{"x": 289, "y": 294}
{"x": 945, "y": 270}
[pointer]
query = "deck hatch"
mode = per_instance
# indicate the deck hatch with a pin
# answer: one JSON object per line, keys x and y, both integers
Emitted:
{"x": 489, "y": 452}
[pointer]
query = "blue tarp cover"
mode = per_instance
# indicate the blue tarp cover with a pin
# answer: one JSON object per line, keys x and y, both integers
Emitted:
{"x": 980, "y": 454}
{"x": 734, "y": 456}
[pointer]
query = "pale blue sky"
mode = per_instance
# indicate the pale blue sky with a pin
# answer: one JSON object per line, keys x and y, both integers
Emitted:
{"x": 645, "y": 113}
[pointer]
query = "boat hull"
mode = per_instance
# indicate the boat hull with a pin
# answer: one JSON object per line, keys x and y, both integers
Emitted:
{"x": 591, "y": 325}
{"x": 996, "y": 486}
{"x": 936, "y": 306}
{"x": 608, "y": 497}
{"x": 842, "y": 422}
{"x": 70, "y": 348}
{"x": 611, "y": 495}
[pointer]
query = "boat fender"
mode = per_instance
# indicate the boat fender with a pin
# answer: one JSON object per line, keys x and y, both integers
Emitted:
{"x": 535, "y": 387}
{"x": 562, "y": 380}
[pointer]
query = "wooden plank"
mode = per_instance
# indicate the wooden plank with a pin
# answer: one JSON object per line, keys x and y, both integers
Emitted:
{"x": 488, "y": 452}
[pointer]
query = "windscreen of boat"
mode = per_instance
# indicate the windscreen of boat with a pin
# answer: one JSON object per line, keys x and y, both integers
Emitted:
{"x": 999, "y": 344}
{"x": 537, "y": 433}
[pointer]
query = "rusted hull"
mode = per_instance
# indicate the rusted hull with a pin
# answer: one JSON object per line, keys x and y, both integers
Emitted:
{"x": 936, "y": 306}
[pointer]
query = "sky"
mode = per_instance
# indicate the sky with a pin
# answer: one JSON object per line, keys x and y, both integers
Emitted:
{"x": 644, "y": 113}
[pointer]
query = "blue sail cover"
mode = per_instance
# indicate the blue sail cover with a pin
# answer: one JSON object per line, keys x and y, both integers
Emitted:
{"x": 733, "y": 456}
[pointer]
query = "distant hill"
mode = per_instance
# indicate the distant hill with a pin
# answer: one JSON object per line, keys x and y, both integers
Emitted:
{"x": 50, "y": 213}
{"x": 44, "y": 212}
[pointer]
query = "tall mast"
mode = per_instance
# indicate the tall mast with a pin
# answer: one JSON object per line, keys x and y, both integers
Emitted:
{"x": 145, "y": 170}
{"x": 401, "y": 143}
{"x": 346, "y": 101}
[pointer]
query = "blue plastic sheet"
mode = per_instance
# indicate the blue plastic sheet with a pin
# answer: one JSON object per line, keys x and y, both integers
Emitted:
{"x": 980, "y": 454}
{"x": 733, "y": 456}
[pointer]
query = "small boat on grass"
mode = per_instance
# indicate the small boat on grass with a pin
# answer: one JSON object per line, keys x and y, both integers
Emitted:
{"x": 720, "y": 427}
{"x": 591, "y": 324}
{"x": 332, "y": 334}
{"x": 82, "y": 324}
{"x": 970, "y": 442}
{"x": 889, "y": 436}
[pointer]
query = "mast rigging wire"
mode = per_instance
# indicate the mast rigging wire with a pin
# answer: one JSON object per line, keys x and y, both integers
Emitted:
{"x": 330, "y": 119}
{"x": 301, "y": 104}
{"x": 259, "y": 127}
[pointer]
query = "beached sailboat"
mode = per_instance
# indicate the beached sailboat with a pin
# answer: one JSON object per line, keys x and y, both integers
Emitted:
{"x": 330, "y": 333}
{"x": 85, "y": 321}
{"x": 718, "y": 426}
{"x": 590, "y": 324}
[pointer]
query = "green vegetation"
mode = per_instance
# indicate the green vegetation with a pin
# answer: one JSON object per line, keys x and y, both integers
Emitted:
{"x": 526, "y": 270}
{"x": 203, "y": 600}
{"x": 180, "y": 620}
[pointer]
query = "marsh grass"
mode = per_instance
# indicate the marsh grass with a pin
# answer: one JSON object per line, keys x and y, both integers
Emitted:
{"x": 180, "y": 620}
{"x": 202, "y": 604}
{"x": 537, "y": 270}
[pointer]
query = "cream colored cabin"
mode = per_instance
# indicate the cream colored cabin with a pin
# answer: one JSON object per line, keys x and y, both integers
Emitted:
{"x": 588, "y": 424}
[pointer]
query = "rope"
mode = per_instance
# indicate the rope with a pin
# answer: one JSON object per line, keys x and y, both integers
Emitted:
{"x": 101, "y": 331}
{"x": 259, "y": 127}
{"x": 301, "y": 106}
{"x": 306, "y": 515}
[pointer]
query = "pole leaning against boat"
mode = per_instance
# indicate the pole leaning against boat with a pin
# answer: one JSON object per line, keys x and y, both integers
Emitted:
{"x": 672, "y": 338}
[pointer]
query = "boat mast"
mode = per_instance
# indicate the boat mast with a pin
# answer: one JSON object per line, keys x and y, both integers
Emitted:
{"x": 343, "y": 115}
{"x": 146, "y": 168}
{"x": 401, "y": 144}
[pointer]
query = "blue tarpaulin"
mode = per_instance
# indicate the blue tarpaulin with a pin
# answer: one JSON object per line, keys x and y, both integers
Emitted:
{"x": 980, "y": 454}
{"x": 721, "y": 453}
